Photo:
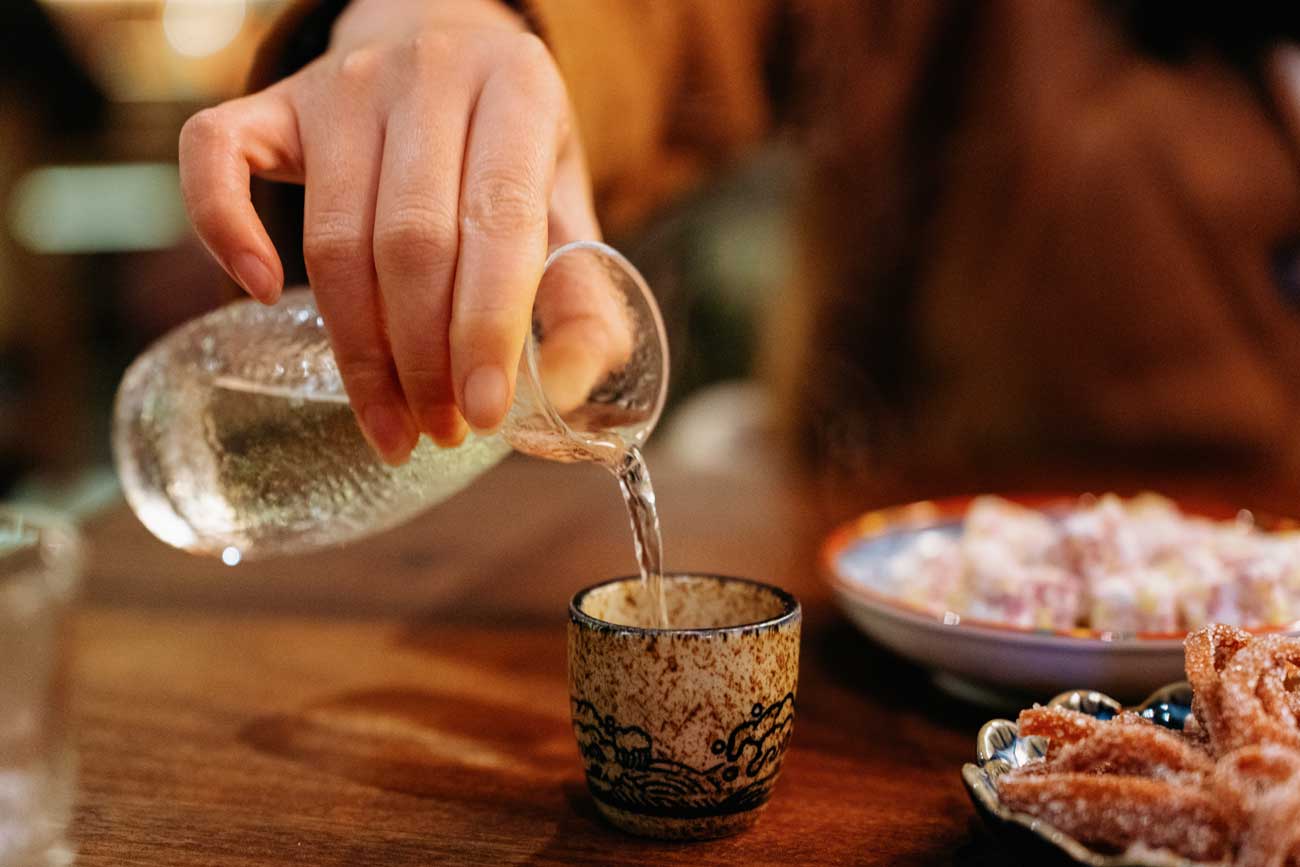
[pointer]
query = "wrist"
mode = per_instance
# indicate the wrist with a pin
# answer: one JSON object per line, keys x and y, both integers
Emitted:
{"x": 366, "y": 21}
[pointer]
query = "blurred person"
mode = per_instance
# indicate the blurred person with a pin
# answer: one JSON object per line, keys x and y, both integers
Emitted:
{"x": 1033, "y": 230}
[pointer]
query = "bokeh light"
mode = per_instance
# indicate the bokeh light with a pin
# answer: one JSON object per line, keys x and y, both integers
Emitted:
{"x": 199, "y": 28}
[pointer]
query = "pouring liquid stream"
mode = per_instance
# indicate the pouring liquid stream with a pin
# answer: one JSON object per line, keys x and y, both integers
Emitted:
{"x": 639, "y": 495}
{"x": 624, "y": 459}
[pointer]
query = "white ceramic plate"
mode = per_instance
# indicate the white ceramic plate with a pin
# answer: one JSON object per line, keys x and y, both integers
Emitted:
{"x": 987, "y": 661}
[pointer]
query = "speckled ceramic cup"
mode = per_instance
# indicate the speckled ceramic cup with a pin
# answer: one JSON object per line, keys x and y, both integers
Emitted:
{"x": 682, "y": 731}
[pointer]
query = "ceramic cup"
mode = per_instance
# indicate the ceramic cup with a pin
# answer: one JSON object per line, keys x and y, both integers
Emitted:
{"x": 682, "y": 730}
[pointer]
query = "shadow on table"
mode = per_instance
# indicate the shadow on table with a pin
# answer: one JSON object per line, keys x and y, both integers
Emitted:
{"x": 849, "y": 659}
{"x": 513, "y": 772}
{"x": 424, "y": 744}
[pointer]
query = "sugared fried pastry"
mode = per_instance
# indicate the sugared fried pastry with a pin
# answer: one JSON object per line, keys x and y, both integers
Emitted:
{"x": 1225, "y": 789}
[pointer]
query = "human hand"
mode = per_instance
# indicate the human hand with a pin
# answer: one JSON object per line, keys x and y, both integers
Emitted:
{"x": 437, "y": 148}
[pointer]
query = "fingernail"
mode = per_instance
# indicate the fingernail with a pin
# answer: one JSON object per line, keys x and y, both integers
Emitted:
{"x": 486, "y": 392}
{"x": 251, "y": 273}
{"x": 388, "y": 431}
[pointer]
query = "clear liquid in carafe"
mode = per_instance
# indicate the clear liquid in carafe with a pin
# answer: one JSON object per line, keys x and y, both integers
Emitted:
{"x": 233, "y": 438}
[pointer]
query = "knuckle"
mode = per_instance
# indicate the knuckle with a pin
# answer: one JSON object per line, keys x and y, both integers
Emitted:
{"x": 424, "y": 367}
{"x": 415, "y": 236}
{"x": 503, "y": 203}
{"x": 532, "y": 68}
{"x": 531, "y": 50}
{"x": 489, "y": 312}
{"x": 366, "y": 367}
{"x": 205, "y": 129}
{"x": 427, "y": 384}
{"x": 359, "y": 65}
{"x": 334, "y": 243}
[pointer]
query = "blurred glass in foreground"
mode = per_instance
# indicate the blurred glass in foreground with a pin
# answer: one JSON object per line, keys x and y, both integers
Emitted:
{"x": 40, "y": 559}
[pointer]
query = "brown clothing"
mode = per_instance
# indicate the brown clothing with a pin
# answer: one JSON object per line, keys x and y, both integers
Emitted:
{"x": 1024, "y": 236}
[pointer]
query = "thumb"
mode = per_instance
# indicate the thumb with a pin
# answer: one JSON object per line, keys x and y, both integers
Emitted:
{"x": 580, "y": 312}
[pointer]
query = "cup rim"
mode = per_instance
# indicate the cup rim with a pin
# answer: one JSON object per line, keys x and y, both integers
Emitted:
{"x": 792, "y": 610}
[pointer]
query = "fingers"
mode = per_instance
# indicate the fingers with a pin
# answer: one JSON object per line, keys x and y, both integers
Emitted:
{"x": 426, "y": 223}
{"x": 509, "y": 172}
{"x": 220, "y": 148}
{"x": 342, "y": 163}
{"x": 415, "y": 243}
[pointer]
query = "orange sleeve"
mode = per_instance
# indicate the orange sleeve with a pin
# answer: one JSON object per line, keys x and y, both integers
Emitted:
{"x": 663, "y": 91}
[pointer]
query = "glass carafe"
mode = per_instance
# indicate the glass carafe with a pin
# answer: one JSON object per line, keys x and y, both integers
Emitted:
{"x": 233, "y": 436}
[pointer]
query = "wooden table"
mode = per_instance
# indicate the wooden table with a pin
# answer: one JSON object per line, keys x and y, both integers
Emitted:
{"x": 403, "y": 701}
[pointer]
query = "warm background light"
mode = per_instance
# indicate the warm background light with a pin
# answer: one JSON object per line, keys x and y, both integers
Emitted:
{"x": 163, "y": 51}
{"x": 198, "y": 28}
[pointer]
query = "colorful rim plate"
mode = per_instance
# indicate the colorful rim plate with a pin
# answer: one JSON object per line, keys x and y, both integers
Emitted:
{"x": 988, "y": 660}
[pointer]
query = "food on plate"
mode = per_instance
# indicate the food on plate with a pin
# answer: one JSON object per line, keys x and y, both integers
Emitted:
{"x": 1064, "y": 726}
{"x": 1224, "y": 789}
{"x": 1136, "y": 565}
{"x": 1113, "y": 812}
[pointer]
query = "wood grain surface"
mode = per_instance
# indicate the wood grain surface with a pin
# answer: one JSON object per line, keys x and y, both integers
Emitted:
{"x": 403, "y": 701}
